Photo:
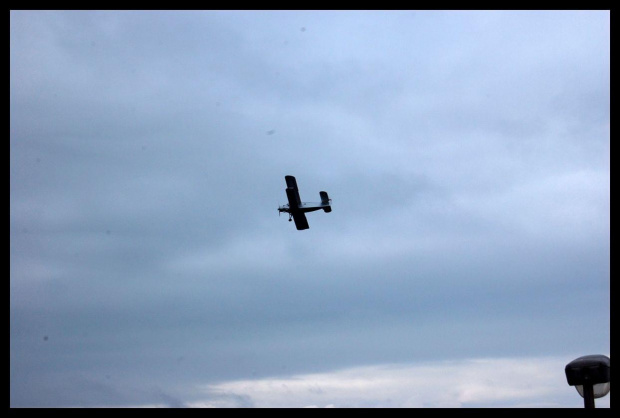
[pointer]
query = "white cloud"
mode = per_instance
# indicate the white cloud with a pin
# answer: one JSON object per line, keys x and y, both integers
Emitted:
{"x": 488, "y": 382}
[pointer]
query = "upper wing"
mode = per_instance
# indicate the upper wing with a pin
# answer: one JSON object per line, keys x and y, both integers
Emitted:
{"x": 300, "y": 220}
{"x": 293, "y": 198}
{"x": 292, "y": 192}
{"x": 290, "y": 181}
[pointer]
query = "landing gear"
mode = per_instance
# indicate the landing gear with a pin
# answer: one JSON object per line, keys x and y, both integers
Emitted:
{"x": 290, "y": 215}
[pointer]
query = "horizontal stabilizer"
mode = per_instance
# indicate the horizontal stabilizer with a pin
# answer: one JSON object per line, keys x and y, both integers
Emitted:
{"x": 324, "y": 198}
{"x": 325, "y": 201}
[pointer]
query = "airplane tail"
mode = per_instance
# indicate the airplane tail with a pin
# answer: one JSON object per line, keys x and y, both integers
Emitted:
{"x": 325, "y": 201}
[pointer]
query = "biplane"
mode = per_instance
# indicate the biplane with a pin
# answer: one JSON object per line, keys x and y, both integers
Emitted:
{"x": 297, "y": 209}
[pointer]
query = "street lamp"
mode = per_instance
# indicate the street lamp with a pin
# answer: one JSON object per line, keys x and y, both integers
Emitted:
{"x": 590, "y": 376}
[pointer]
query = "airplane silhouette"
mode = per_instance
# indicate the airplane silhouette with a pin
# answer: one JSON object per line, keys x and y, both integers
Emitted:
{"x": 296, "y": 209}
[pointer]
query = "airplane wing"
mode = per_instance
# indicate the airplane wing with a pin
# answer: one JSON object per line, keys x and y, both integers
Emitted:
{"x": 300, "y": 220}
{"x": 293, "y": 198}
{"x": 291, "y": 182}
{"x": 294, "y": 202}
{"x": 292, "y": 192}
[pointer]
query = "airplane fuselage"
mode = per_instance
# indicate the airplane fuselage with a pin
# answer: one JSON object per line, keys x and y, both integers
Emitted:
{"x": 304, "y": 207}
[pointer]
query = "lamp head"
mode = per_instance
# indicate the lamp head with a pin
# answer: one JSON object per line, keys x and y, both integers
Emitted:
{"x": 589, "y": 370}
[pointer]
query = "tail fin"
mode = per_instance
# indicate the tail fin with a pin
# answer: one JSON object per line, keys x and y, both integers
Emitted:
{"x": 325, "y": 201}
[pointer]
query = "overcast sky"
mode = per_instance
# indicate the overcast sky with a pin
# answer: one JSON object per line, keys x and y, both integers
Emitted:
{"x": 466, "y": 259}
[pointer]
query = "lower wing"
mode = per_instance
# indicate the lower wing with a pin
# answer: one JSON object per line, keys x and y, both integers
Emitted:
{"x": 300, "y": 221}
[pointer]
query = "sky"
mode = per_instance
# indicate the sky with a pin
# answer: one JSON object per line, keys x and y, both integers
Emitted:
{"x": 465, "y": 262}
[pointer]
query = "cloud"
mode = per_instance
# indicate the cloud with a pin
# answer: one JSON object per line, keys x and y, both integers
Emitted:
{"x": 466, "y": 153}
{"x": 482, "y": 382}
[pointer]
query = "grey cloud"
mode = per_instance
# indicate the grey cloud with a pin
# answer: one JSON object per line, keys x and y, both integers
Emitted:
{"x": 467, "y": 156}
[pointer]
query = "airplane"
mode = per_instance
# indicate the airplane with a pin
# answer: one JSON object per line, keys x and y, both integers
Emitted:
{"x": 296, "y": 209}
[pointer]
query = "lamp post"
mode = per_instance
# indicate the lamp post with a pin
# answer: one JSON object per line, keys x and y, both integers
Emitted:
{"x": 590, "y": 376}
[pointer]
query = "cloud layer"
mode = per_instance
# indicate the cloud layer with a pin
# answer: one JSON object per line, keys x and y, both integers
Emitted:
{"x": 466, "y": 153}
{"x": 473, "y": 383}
